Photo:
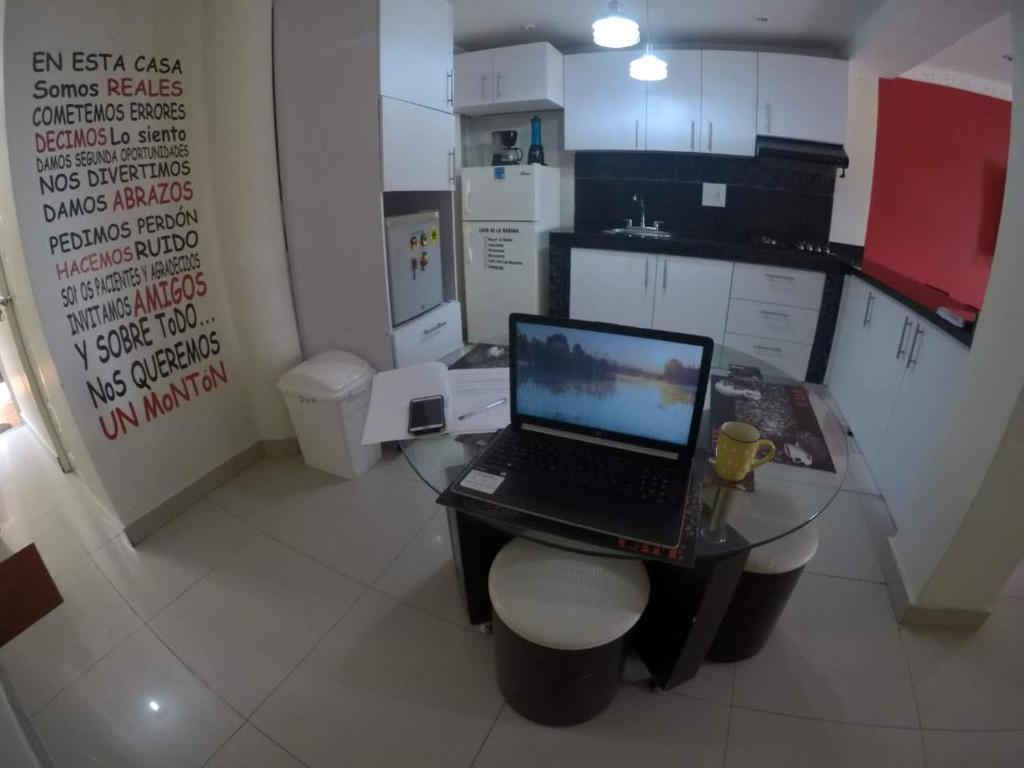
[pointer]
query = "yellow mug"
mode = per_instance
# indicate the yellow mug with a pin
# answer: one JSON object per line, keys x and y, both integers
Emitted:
{"x": 736, "y": 453}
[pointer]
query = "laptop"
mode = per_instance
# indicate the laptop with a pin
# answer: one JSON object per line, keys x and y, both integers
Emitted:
{"x": 604, "y": 423}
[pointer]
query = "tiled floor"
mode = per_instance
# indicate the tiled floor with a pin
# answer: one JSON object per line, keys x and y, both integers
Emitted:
{"x": 292, "y": 619}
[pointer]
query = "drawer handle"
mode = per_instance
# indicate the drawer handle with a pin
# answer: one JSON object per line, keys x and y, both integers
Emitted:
{"x": 776, "y": 276}
{"x": 776, "y": 350}
{"x": 772, "y": 313}
{"x": 436, "y": 328}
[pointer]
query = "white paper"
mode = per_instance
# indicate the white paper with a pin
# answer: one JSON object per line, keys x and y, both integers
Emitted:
{"x": 387, "y": 417}
{"x": 472, "y": 389}
{"x": 482, "y": 481}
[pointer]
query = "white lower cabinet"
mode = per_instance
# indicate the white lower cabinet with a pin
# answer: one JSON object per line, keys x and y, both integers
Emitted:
{"x": 612, "y": 286}
{"x": 428, "y": 337}
{"x": 892, "y": 374}
{"x": 787, "y": 356}
{"x": 645, "y": 290}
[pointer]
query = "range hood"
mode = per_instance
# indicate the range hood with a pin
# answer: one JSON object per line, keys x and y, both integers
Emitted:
{"x": 807, "y": 151}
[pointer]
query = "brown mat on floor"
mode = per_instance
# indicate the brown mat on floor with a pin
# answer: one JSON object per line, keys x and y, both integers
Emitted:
{"x": 27, "y": 592}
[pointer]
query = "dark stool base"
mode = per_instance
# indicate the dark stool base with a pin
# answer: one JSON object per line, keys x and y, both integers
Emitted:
{"x": 552, "y": 686}
{"x": 753, "y": 612}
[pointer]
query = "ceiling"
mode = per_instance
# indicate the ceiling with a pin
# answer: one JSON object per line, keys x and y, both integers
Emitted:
{"x": 980, "y": 54}
{"x": 810, "y": 25}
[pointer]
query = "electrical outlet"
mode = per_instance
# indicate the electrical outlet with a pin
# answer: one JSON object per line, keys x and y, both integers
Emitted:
{"x": 713, "y": 195}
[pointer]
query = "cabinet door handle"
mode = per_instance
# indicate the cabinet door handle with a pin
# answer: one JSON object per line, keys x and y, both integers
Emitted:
{"x": 867, "y": 309}
{"x": 772, "y": 313}
{"x": 451, "y": 166}
{"x": 918, "y": 333}
{"x": 636, "y": 133}
{"x": 497, "y": 86}
{"x": 777, "y": 276}
{"x": 483, "y": 87}
{"x": 711, "y": 136}
{"x": 449, "y": 88}
{"x": 767, "y": 117}
{"x": 903, "y": 337}
{"x": 435, "y": 328}
{"x": 647, "y": 267}
{"x": 664, "y": 276}
{"x": 693, "y": 135}
{"x": 776, "y": 350}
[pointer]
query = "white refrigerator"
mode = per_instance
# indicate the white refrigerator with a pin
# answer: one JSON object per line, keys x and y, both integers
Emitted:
{"x": 507, "y": 212}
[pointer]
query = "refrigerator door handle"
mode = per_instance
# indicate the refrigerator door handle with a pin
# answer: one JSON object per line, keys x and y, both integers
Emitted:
{"x": 469, "y": 250}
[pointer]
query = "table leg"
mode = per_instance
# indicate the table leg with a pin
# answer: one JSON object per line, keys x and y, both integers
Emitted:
{"x": 474, "y": 547}
{"x": 685, "y": 610}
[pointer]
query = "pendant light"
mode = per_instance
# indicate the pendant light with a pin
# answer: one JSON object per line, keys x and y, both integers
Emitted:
{"x": 649, "y": 66}
{"x": 613, "y": 30}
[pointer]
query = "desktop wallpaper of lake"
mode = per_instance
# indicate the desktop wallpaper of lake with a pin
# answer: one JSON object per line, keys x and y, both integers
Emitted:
{"x": 634, "y": 386}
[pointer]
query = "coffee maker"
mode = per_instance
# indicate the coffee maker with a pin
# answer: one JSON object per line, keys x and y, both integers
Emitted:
{"x": 505, "y": 150}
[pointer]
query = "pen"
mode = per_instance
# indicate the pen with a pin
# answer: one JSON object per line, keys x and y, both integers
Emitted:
{"x": 485, "y": 408}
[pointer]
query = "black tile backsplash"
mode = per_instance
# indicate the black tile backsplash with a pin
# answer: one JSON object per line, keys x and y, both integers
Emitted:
{"x": 789, "y": 200}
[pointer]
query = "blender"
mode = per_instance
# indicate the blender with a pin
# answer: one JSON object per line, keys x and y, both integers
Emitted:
{"x": 505, "y": 150}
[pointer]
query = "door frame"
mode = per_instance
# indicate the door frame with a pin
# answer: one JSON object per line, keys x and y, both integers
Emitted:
{"x": 34, "y": 385}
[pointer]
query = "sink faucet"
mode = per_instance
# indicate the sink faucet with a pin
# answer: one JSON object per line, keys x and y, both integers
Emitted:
{"x": 643, "y": 208}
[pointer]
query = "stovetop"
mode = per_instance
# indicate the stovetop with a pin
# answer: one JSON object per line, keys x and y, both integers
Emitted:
{"x": 809, "y": 246}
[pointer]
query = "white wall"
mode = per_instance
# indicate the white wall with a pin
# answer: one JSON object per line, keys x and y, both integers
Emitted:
{"x": 145, "y": 465}
{"x": 238, "y": 60}
{"x": 969, "y": 535}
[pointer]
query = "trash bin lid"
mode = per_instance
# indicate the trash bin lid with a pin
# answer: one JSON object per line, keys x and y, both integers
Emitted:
{"x": 330, "y": 375}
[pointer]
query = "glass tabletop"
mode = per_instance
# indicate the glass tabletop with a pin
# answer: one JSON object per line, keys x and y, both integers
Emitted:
{"x": 786, "y": 494}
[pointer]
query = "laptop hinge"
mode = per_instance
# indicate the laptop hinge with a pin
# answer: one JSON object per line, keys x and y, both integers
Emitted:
{"x": 601, "y": 441}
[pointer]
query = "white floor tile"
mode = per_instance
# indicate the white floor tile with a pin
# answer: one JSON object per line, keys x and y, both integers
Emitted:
{"x": 948, "y": 749}
{"x": 60, "y": 647}
{"x": 760, "y": 740}
{"x": 251, "y": 749}
{"x": 424, "y": 574}
{"x": 138, "y": 707}
{"x": 93, "y": 525}
{"x": 713, "y": 683}
{"x": 858, "y": 475}
{"x": 835, "y": 654}
{"x": 971, "y": 680}
{"x": 270, "y": 485}
{"x": 1015, "y": 586}
{"x": 246, "y": 625}
{"x": 639, "y": 728}
{"x": 356, "y": 527}
{"x": 172, "y": 559}
{"x": 58, "y": 545}
{"x": 388, "y": 686}
{"x": 844, "y": 543}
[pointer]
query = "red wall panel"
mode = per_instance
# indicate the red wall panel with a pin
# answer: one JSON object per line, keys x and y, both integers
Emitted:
{"x": 940, "y": 168}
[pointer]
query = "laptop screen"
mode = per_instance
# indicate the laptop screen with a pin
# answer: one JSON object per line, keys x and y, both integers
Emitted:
{"x": 632, "y": 385}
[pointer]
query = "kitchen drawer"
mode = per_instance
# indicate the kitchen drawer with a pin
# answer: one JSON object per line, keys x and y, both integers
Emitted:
{"x": 429, "y": 337}
{"x": 778, "y": 285}
{"x": 772, "y": 321}
{"x": 787, "y": 356}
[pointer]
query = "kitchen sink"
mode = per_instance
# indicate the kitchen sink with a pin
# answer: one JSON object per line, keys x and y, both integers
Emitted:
{"x": 651, "y": 232}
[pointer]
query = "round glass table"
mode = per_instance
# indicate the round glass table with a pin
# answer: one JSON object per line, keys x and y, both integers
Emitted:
{"x": 786, "y": 494}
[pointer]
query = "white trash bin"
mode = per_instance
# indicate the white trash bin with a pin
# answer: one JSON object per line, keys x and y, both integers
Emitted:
{"x": 327, "y": 397}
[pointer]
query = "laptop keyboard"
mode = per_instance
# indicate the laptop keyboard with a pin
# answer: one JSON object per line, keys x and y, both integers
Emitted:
{"x": 607, "y": 470}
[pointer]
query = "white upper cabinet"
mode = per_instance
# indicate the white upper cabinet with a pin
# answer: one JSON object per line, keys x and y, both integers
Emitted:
{"x": 673, "y": 105}
{"x": 417, "y": 147}
{"x": 416, "y": 44}
{"x": 474, "y": 85}
{"x": 604, "y": 107}
{"x": 728, "y": 102}
{"x": 512, "y": 79}
{"x": 802, "y": 97}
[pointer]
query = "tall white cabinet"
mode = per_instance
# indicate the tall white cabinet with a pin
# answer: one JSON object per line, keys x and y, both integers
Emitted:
{"x": 364, "y": 98}
{"x": 801, "y": 97}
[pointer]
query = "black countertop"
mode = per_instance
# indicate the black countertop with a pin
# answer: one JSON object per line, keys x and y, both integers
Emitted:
{"x": 922, "y": 299}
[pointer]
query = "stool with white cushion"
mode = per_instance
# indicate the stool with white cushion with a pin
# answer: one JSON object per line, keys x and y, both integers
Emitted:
{"x": 561, "y": 621}
{"x": 768, "y": 579}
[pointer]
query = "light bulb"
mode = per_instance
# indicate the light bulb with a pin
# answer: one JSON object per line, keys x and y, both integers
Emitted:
{"x": 613, "y": 30}
{"x": 648, "y": 67}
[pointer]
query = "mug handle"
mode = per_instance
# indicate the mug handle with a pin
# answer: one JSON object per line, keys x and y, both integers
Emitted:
{"x": 767, "y": 457}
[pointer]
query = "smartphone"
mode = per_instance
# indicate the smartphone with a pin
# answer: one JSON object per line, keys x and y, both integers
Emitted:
{"x": 426, "y": 414}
